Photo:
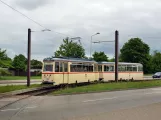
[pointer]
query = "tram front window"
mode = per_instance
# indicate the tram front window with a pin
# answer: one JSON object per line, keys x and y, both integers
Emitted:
{"x": 48, "y": 68}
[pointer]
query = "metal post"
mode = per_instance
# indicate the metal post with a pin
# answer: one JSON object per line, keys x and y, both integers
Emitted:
{"x": 116, "y": 55}
{"x": 91, "y": 47}
{"x": 28, "y": 57}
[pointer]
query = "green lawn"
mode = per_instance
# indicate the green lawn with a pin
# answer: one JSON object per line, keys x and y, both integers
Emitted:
{"x": 148, "y": 74}
{"x": 9, "y": 88}
{"x": 109, "y": 87}
{"x": 18, "y": 77}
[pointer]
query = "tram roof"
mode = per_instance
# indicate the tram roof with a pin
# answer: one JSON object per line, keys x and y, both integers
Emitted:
{"x": 68, "y": 59}
{"x": 120, "y": 63}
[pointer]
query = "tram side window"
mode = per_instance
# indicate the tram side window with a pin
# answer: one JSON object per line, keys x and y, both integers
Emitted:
{"x": 106, "y": 68}
{"x": 56, "y": 66}
{"x": 76, "y": 68}
{"x": 65, "y": 67}
{"x": 100, "y": 68}
{"x": 119, "y": 68}
{"x": 95, "y": 67}
{"x": 129, "y": 68}
{"x": 134, "y": 68}
{"x": 61, "y": 67}
{"x": 111, "y": 68}
{"x": 81, "y": 68}
{"x": 89, "y": 68}
{"x": 140, "y": 68}
{"x": 122, "y": 68}
{"x": 48, "y": 68}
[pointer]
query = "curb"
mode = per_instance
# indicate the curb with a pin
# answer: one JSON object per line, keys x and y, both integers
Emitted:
{"x": 103, "y": 91}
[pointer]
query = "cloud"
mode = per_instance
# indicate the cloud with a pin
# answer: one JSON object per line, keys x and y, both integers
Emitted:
{"x": 31, "y": 4}
{"x": 79, "y": 18}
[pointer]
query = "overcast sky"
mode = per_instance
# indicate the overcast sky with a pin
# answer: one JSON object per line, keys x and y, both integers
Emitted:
{"x": 78, "y": 18}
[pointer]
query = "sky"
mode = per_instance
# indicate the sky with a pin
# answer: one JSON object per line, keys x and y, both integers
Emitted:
{"x": 78, "y": 18}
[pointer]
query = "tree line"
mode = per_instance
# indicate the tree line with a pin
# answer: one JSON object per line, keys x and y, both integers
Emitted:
{"x": 19, "y": 62}
{"x": 134, "y": 50}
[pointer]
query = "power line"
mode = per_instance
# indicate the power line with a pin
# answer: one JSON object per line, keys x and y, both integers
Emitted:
{"x": 30, "y": 18}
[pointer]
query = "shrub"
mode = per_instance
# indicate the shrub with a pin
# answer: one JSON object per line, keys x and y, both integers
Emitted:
{"x": 4, "y": 72}
{"x": 39, "y": 73}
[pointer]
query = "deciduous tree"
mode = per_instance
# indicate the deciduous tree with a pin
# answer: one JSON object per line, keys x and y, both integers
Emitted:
{"x": 100, "y": 56}
{"x": 19, "y": 62}
{"x": 70, "y": 49}
{"x": 136, "y": 51}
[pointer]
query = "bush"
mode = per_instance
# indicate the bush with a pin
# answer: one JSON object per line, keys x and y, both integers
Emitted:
{"x": 4, "y": 72}
{"x": 39, "y": 74}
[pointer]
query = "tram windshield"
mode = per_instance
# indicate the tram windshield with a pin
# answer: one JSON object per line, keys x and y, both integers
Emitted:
{"x": 48, "y": 68}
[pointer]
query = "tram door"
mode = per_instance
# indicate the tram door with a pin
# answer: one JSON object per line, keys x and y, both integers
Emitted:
{"x": 65, "y": 73}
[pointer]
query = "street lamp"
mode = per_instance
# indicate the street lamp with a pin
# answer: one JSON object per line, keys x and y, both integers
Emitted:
{"x": 91, "y": 43}
{"x": 29, "y": 54}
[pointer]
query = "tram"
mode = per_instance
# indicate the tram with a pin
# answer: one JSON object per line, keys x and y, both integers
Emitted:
{"x": 69, "y": 70}
{"x": 126, "y": 71}
{"x": 64, "y": 70}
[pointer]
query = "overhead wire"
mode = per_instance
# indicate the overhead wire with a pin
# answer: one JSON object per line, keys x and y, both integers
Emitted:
{"x": 31, "y": 18}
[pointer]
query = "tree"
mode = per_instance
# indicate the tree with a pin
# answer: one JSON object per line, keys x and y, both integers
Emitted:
{"x": 36, "y": 64}
{"x": 135, "y": 50}
{"x": 100, "y": 56}
{"x": 70, "y": 49}
{"x": 112, "y": 60}
{"x": 19, "y": 62}
{"x": 156, "y": 62}
{"x": 5, "y": 61}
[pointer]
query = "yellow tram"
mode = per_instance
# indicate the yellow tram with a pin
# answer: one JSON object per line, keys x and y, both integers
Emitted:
{"x": 74, "y": 70}
{"x": 69, "y": 70}
{"x": 126, "y": 71}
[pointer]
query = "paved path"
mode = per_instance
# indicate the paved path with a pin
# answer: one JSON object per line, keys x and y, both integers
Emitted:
{"x": 18, "y": 82}
{"x": 143, "y": 104}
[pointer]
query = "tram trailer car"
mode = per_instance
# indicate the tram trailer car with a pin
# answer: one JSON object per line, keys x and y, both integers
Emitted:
{"x": 69, "y": 70}
{"x": 126, "y": 71}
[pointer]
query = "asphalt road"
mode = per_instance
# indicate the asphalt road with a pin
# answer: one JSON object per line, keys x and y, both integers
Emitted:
{"x": 18, "y": 82}
{"x": 120, "y": 105}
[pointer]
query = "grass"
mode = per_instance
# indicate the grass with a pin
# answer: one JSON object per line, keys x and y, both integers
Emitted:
{"x": 18, "y": 77}
{"x": 108, "y": 87}
{"x": 148, "y": 74}
{"x": 9, "y": 88}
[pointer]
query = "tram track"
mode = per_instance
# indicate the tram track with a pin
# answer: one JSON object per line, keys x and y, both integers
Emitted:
{"x": 48, "y": 89}
{"x": 41, "y": 91}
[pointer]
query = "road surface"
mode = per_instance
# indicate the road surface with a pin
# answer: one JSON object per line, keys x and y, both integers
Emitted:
{"x": 142, "y": 104}
{"x": 18, "y": 82}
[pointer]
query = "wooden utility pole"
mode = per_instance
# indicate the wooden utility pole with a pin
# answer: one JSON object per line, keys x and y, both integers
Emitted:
{"x": 28, "y": 57}
{"x": 116, "y": 55}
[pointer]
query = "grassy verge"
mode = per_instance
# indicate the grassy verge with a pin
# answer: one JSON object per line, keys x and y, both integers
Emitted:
{"x": 18, "y": 77}
{"x": 9, "y": 88}
{"x": 148, "y": 74}
{"x": 109, "y": 87}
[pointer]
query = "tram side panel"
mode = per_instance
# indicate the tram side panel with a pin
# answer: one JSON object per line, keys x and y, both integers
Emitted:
{"x": 77, "y": 77}
{"x": 131, "y": 75}
{"x": 82, "y": 77}
{"x": 124, "y": 76}
{"x": 108, "y": 76}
